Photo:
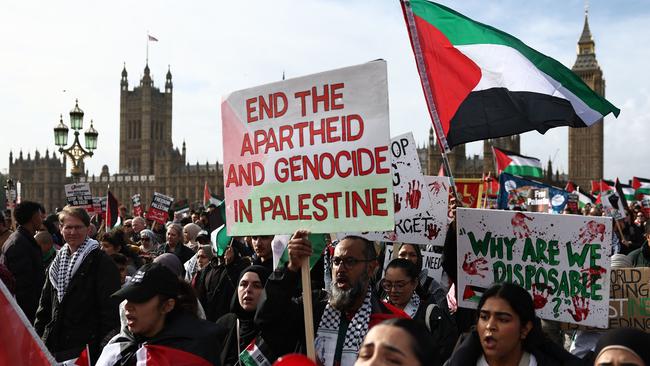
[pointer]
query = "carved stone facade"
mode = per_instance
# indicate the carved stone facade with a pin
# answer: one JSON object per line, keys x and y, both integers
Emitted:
{"x": 586, "y": 144}
{"x": 148, "y": 161}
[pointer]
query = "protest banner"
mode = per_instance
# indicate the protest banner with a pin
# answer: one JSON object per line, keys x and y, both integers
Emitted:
{"x": 159, "y": 208}
{"x": 514, "y": 191}
{"x": 310, "y": 152}
{"x": 137, "y": 205}
{"x": 538, "y": 200}
{"x": 562, "y": 260}
{"x": 429, "y": 227}
{"x": 470, "y": 191}
{"x": 612, "y": 205}
{"x": 431, "y": 261}
{"x": 78, "y": 194}
{"x": 409, "y": 188}
{"x": 98, "y": 208}
{"x": 572, "y": 203}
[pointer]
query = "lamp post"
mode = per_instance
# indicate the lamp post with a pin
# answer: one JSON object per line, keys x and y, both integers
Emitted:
{"x": 10, "y": 193}
{"x": 75, "y": 152}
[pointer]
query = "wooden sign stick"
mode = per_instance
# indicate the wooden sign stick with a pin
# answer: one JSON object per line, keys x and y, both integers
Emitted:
{"x": 308, "y": 310}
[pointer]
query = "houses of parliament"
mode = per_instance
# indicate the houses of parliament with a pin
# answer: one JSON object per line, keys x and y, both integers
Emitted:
{"x": 148, "y": 161}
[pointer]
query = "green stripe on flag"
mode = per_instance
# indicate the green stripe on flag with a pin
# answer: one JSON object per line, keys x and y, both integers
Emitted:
{"x": 525, "y": 171}
{"x": 317, "y": 246}
{"x": 461, "y": 30}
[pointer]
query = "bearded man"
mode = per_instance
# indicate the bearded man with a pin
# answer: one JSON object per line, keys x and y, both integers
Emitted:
{"x": 342, "y": 319}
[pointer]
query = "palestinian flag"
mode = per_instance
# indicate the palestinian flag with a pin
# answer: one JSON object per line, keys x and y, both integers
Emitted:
{"x": 602, "y": 186}
{"x": 515, "y": 164}
{"x": 584, "y": 198}
{"x": 641, "y": 185}
{"x": 625, "y": 192}
{"x": 484, "y": 83}
{"x": 112, "y": 214}
{"x": 253, "y": 355}
{"x": 209, "y": 198}
{"x": 473, "y": 293}
{"x": 146, "y": 355}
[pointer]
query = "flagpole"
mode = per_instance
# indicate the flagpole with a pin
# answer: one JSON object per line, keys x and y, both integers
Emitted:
{"x": 147, "y": 48}
{"x": 422, "y": 67}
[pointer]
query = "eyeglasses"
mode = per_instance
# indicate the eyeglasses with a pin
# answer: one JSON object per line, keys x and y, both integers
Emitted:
{"x": 349, "y": 262}
{"x": 69, "y": 228}
{"x": 388, "y": 285}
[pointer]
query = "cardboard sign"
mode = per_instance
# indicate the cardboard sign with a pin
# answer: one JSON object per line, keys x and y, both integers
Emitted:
{"x": 562, "y": 260}
{"x": 470, "y": 191}
{"x": 159, "y": 209}
{"x": 431, "y": 261}
{"x": 426, "y": 228}
{"x": 409, "y": 188}
{"x": 78, "y": 194}
{"x": 538, "y": 200}
{"x": 310, "y": 152}
{"x": 137, "y": 206}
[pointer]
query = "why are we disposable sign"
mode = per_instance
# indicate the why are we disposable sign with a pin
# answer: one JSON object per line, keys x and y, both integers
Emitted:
{"x": 562, "y": 260}
{"x": 310, "y": 152}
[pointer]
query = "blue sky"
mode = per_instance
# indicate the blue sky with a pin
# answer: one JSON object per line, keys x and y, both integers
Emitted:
{"x": 217, "y": 47}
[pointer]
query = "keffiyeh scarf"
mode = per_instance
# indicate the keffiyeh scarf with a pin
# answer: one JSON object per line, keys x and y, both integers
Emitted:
{"x": 328, "y": 331}
{"x": 412, "y": 307}
{"x": 66, "y": 264}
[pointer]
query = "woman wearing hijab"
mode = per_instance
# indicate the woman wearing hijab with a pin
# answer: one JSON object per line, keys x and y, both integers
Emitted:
{"x": 623, "y": 347}
{"x": 241, "y": 329}
{"x": 149, "y": 245}
{"x": 190, "y": 232}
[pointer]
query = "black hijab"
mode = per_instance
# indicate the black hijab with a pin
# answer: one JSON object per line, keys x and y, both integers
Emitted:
{"x": 632, "y": 339}
{"x": 247, "y": 328}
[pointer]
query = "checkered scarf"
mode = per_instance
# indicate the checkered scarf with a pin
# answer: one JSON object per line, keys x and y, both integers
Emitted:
{"x": 65, "y": 265}
{"x": 328, "y": 330}
{"x": 412, "y": 307}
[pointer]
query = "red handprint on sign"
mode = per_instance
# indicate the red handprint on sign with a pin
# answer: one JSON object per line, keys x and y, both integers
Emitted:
{"x": 581, "y": 306}
{"x": 594, "y": 273}
{"x": 391, "y": 236}
{"x": 414, "y": 194}
{"x": 591, "y": 231}
{"x": 539, "y": 299}
{"x": 398, "y": 203}
{"x": 475, "y": 267}
{"x": 519, "y": 227}
{"x": 434, "y": 188}
{"x": 432, "y": 231}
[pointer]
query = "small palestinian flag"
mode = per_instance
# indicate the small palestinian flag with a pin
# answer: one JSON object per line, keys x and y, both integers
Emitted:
{"x": 625, "y": 192}
{"x": 516, "y": 164}
{"x": 485, "y": 83}
{"x": 641, "y": 185}
{"x": 253, "y": 355}
{"x": 473, "y": 293}
{"x": 584, "y": 198}
{"x": 209, "y": 198}
{"x": 602, "y": 186}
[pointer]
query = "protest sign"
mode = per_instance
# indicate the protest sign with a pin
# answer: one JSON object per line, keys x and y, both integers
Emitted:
{"x": 572, "y": 204}
{"x": 78, "y": 194}
{"x": 470, "y": 191}
{"x": 629, "y": 291}
{"x": 159, "y": 208}
{"x": 538, "y": 200}
{"x": 645, "y": 204}
{"x": 409, "y": 189}
{"x": 562, "y": 260}
{"x": 426, "y": 228}
{"x": 612, "y": 205}
{"x": 98, "y": 208}
{"x": 137, "y": 205}
{"x": 103, "y": 202}
{"x": 310, "y": 152}
{"x": 431, "y": 261}
{"x": 514, "y": 191}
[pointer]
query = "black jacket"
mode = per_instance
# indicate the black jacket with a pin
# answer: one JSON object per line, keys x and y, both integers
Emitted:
{"x": 181, "y": 331}
{"x": 546, "y": 352}
{"x": 23, "y": 257}
{"x": 215, "y": 286}
{"x": 182, "y": 252}
{"x": 86, "y": 314}
{"x": 441, "y": 325}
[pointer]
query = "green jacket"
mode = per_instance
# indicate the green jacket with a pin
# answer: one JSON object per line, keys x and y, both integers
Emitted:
{"x": 640, "y": 257}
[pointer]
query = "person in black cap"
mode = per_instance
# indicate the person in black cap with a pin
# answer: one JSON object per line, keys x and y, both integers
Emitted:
{"x": 623, "y": 346}
{"x": 158, "y": 313}
{"x": 243, "y": 306}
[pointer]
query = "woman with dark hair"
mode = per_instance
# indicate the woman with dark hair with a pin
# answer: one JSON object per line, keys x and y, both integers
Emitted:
{"x": 508, "y": 333}
{"x": 113, "y": 242}
{"x": 397, "y": 342}
{"x": 623, "y": 347}
{"x": 426, "y": 286}
{"x": 161, "y": 318}
{"x": 242, "y": 331}
{"x": 400, "y": 282}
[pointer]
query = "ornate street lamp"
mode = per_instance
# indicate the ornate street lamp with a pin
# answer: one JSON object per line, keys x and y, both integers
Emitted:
{"x": 75, "y": 152}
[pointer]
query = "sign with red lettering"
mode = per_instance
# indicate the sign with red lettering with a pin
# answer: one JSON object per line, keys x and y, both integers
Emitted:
{"x": 78, "y": 195}
{"x": 159, "y": 209}
{"x": 310, "y": 152}
{"x": 137, "y": 206}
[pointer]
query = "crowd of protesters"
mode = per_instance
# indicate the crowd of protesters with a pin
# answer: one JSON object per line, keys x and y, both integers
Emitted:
{"x": 109, "y": 292}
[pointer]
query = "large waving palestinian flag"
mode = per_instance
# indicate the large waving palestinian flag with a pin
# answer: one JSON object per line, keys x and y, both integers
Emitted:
{"x": 516, "y": 164}
{"x": 641, "y": 185}
{"x": 486, "y": 83}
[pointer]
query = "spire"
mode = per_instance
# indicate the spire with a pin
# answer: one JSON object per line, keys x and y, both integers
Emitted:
{"x": 586, "y": 59}
{"x": 168, "y": 81}
{"x": 585, "y": 37}
{"x": 124, "y": 73}
{"x": 124, "y": 82}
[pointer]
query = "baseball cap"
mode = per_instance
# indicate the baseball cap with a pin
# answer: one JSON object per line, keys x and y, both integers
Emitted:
{"x": 150, "y": 280}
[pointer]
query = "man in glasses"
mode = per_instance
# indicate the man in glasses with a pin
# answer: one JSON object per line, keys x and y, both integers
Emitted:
{"x": 343, "y": 319}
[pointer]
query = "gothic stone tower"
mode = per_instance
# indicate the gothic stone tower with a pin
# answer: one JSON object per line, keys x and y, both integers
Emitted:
{"x": 586, "y": 144}
{"x": 145, "y": 124}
